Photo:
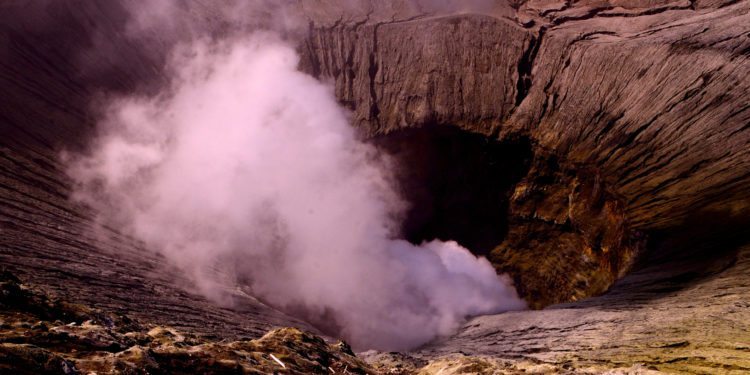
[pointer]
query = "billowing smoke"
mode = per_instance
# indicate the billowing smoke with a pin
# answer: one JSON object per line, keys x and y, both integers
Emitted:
{"x": 246, "y": 170}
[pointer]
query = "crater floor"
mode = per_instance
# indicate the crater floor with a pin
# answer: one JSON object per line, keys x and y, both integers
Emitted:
{"x": 676, "y": 317}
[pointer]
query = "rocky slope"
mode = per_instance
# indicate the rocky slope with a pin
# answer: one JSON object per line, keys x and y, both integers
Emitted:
{"x": 40, "y": 335}
{"x": 682, "y": 318}
{"x": 633, "y": 118}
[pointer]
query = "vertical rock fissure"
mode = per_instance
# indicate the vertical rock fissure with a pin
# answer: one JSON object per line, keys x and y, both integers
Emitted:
{"x": 373, "y": 71}
{"x": 526, "y": 65}
{"x": 313, "y": 60}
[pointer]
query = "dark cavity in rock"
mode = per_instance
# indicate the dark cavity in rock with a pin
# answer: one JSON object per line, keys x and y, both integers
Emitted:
{"x": 457, "y": 183}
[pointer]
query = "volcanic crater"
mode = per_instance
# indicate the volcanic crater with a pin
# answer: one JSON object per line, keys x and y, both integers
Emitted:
{"x": 596, "y": 152}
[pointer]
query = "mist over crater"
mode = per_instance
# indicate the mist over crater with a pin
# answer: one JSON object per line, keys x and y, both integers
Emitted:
{"x": 246, "y": 169}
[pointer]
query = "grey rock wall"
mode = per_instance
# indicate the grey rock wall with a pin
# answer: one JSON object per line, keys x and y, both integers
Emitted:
{"x": 654, "y": 94}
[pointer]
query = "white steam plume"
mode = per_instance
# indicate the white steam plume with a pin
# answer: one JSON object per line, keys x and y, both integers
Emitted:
{"x": 246, "y": 166}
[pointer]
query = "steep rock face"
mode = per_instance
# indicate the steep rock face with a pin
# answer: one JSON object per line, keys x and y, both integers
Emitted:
{"x": 657, "y": 102}
{"x": 644, "y": 102}
{"x": 411, "y": 72}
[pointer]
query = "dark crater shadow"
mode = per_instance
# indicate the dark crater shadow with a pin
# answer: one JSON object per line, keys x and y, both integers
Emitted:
{"x": 705, "y": 245}
{"x": 457, "y": 183}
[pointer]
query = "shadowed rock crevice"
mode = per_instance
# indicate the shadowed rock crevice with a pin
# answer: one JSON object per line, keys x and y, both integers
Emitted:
{"x": 706, "y": 244}
{"x": 552, "y": 226}
{"x": 457, "y": 183}
{"x": 526, "y": 64}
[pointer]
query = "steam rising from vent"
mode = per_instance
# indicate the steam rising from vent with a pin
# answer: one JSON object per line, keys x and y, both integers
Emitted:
{"x": 245, "y": 170}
